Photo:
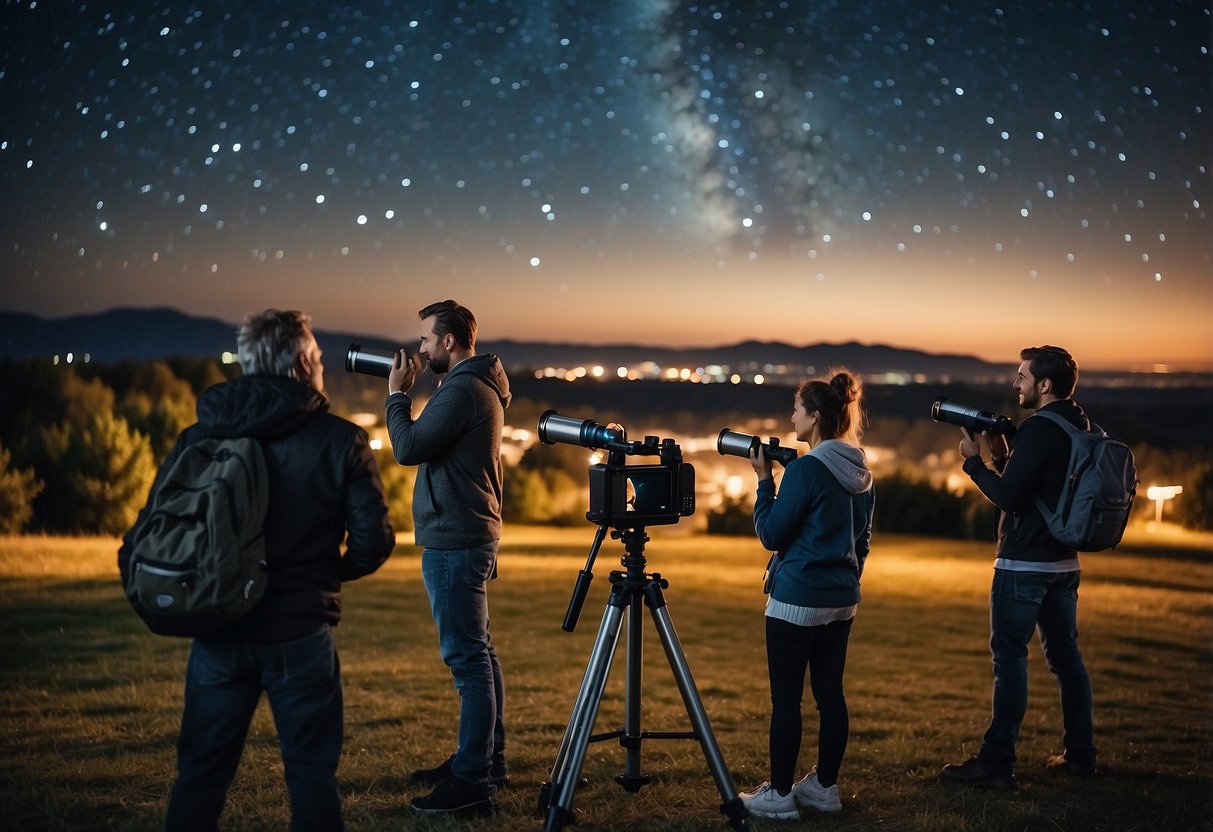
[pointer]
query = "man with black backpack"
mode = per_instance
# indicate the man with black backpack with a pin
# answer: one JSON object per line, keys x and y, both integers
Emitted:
{"x": 1035, "y": 586}
{"x": 317, "y": 479}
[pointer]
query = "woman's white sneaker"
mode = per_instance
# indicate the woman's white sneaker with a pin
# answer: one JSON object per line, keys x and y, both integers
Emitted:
{"x": 765, "y": 802}
{"x": 809, "y": 792}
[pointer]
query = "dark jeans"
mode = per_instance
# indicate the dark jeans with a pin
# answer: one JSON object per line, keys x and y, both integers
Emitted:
{"x": 223, "y": 683}
{"x": 823, "y": 651}
{"x": 1047, "y": 603}
{"x": 457, "y": 583}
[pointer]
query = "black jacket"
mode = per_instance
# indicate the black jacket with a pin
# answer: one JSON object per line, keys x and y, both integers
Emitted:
{"x": 1037, "y": 464}
{"x": 324, "y": 489}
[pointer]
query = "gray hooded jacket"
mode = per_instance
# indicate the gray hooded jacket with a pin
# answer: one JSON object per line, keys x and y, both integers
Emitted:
{"x": 456, "y": 442}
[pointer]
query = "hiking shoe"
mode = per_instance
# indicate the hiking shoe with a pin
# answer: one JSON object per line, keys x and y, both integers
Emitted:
{"x": 498, "y": 772}
{"x": 810, "y": 792}
{"x": 765, "y": 802}
{"x": 979, "y": 774}
{"x": 455, "y": 794}
{"x": 1058, "y": 762}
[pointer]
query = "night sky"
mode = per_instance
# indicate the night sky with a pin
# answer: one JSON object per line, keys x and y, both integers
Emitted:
{"x": 962, "y": 177}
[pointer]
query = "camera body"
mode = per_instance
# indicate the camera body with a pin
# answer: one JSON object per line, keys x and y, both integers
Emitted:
{"x": 641, "y": 495}
{"x": 732, "y": 443}
{"x": 970, "y": 418}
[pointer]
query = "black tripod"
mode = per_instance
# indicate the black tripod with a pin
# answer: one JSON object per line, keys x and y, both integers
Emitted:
{"x": 629, "y": 590}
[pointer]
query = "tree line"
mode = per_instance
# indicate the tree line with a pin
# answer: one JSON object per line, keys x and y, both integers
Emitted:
{"x": 80, "y": 445}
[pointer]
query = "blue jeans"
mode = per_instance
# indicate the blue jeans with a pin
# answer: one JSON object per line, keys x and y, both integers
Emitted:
{"x": 1047, "y": 603}
{"x": 457, "y": 583}
{"x": 822, "y": 650}
{"x": 223, "y": 684}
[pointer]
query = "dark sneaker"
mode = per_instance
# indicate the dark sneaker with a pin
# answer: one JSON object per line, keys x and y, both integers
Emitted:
{"x": 455, "y": 794}
{"x": 979, "y": 774}
{"x": 1058, "y": 762}
{"x": 433, "y": 776}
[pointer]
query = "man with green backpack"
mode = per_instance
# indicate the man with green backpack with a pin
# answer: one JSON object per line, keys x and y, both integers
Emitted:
{"x": 239, "y": 547}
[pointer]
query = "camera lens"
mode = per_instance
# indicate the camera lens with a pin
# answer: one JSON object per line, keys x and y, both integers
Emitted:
{"x": 555, "y": 428}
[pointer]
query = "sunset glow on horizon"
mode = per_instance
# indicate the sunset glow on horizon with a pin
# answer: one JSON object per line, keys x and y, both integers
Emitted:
{"x": 639, "y": 172}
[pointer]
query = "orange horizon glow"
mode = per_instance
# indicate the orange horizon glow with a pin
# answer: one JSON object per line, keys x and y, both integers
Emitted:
{"x": 960, "y": 303}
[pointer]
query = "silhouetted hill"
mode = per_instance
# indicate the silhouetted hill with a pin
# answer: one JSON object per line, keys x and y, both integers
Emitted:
{"x": 1165, "y": 410}
{"x": 116, "y": 335}
{"x": 747, "y": 355}
{"x": 159, "y": 333}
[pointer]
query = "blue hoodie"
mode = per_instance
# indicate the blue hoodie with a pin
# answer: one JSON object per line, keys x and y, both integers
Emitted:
{"x": 820, "y": 526}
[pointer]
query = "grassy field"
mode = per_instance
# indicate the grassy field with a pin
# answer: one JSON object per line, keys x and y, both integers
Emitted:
{"x": 89, "y": 701}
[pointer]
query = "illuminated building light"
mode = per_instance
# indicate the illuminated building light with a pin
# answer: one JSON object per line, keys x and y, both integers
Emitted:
{"x": 1160, "y": 494}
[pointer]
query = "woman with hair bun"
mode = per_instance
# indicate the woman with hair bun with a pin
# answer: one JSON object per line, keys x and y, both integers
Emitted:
{"x": 819, "y": 527}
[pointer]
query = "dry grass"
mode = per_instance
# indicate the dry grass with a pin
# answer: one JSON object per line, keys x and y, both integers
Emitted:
{"x": 90, "y": 701}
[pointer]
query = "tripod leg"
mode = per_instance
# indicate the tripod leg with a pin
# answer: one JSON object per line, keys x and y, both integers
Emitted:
{"x": 732, "y": 806}
{"x": 632, "y": 779}
{"x": 571, "y": 755}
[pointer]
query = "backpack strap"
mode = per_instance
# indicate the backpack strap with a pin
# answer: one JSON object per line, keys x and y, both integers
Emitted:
{"x": 1069, "y": 426}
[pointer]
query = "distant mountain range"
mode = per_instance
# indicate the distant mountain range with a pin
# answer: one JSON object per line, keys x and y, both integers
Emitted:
{"x": 159, "y": 333}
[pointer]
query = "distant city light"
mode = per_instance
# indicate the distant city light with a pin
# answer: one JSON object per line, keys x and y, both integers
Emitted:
{"x": 734, "y": 487}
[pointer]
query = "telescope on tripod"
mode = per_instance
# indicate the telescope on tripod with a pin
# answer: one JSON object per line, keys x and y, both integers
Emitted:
{"x": 625, "y": 499}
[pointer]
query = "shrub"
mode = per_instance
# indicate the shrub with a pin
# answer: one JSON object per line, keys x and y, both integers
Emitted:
{"x": 18, "y": 488}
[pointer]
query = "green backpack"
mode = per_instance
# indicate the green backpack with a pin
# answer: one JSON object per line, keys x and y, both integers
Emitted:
{"x": 198, "y": 551}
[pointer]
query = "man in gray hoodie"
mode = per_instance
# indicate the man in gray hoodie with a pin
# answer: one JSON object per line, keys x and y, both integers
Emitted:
{"x": 456, "y": 443}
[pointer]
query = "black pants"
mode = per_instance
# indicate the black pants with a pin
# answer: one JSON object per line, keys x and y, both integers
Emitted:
{"x": 791, "y": 650}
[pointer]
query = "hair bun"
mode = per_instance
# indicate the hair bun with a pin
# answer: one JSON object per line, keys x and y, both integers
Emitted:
{"x": 844, "y": 386}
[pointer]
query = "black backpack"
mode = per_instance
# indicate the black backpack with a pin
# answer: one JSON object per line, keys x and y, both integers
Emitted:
{"x": 198, "y": 552}
{"x": 1097, "y": 495}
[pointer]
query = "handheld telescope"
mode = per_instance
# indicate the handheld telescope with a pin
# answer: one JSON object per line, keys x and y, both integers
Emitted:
{"x": 732, "y": 443}
{"x": 970, "y": 418}
{"x": 359, "y": 359}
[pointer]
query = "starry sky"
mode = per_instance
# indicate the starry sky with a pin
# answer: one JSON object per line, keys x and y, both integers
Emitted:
{"x": 956, "y": 177}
